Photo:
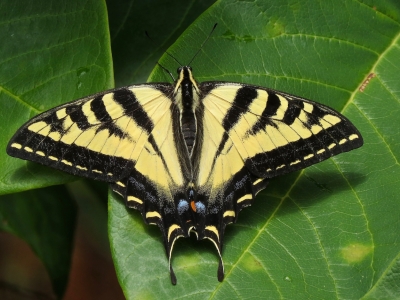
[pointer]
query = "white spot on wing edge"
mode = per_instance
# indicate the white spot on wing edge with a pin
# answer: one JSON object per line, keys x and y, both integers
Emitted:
{"x": 171, "y": 228}
{"x": 331, "y": 146}
{"x": 229, "y": 213}
{"x": 66, "y": 162}
{"x": 308, "y": 156}
{"x": 295, "y": 162}
{"x": 153, "y": 214}
{"x": 41, "y": 153}
{"x": 213, "y": 229}
{"x": 245, "y": 197}
{"x": 258, "y": 181}
{"x": 131, "y": 198}
{"x": 353, "y": 137}
{"x": 16, "y": 145}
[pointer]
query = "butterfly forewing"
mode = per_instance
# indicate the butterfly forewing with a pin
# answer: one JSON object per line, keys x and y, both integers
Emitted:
{"x": 86, "y": 137}
{"x": 274, "y": 132}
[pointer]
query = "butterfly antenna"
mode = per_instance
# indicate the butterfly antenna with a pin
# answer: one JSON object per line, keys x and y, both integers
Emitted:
{"x": 166, "y": 70}
{"x": 170, "y": 55}
{"x": 201, "y": 47}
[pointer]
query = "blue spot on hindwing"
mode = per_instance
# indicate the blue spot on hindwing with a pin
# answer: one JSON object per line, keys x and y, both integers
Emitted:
{"x": 183, "y": 206}
{"x": 200, "y": 208}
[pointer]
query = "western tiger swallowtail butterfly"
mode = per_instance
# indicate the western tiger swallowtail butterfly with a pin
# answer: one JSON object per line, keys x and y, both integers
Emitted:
{"x": 189, "y": 156}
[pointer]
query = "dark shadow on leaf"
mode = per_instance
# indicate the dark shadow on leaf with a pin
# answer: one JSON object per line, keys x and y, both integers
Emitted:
{"x": 312, "y": 187}
{"x": 151, "y": 230}
{"x": 37, "y": 176}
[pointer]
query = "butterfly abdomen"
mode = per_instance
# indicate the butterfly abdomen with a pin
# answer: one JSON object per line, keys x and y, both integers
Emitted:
{"x": 188, "y": 123}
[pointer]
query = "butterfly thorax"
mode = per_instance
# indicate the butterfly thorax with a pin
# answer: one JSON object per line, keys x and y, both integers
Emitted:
{"x": 187, "y": 95}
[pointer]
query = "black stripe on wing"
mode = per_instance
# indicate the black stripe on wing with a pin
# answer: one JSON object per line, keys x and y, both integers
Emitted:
{"x": 133, "y": 109}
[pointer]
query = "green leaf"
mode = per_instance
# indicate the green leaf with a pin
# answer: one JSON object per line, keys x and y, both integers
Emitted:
{"x": 45, "y": 219}
{"x": 330, "y": 231}
{"x": 42, "y": 65}
{"x": 388, "y": 285}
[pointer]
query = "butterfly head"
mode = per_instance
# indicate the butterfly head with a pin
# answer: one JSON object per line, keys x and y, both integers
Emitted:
{"x": 182, "y": 68}
{"x": 185, "y": 81}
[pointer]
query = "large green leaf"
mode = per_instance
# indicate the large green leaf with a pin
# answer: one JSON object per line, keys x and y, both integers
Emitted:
{"x": 42, "y": 65}
{"x": 330, "y": 231}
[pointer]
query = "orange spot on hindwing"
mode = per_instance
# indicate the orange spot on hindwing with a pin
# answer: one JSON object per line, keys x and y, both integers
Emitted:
{"x": 193, "y": 205}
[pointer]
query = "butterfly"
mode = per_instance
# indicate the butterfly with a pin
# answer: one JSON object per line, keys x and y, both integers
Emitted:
{"x": 189, "y": 156}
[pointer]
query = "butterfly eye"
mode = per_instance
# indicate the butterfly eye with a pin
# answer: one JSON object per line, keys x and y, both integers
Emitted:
{"x": 179, "y": 70}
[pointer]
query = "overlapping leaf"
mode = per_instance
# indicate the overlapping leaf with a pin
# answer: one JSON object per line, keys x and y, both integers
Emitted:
{"x": 330, "y": 231}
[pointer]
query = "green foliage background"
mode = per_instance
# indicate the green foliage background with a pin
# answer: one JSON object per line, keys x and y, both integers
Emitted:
{"x": 330, "y": 231}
